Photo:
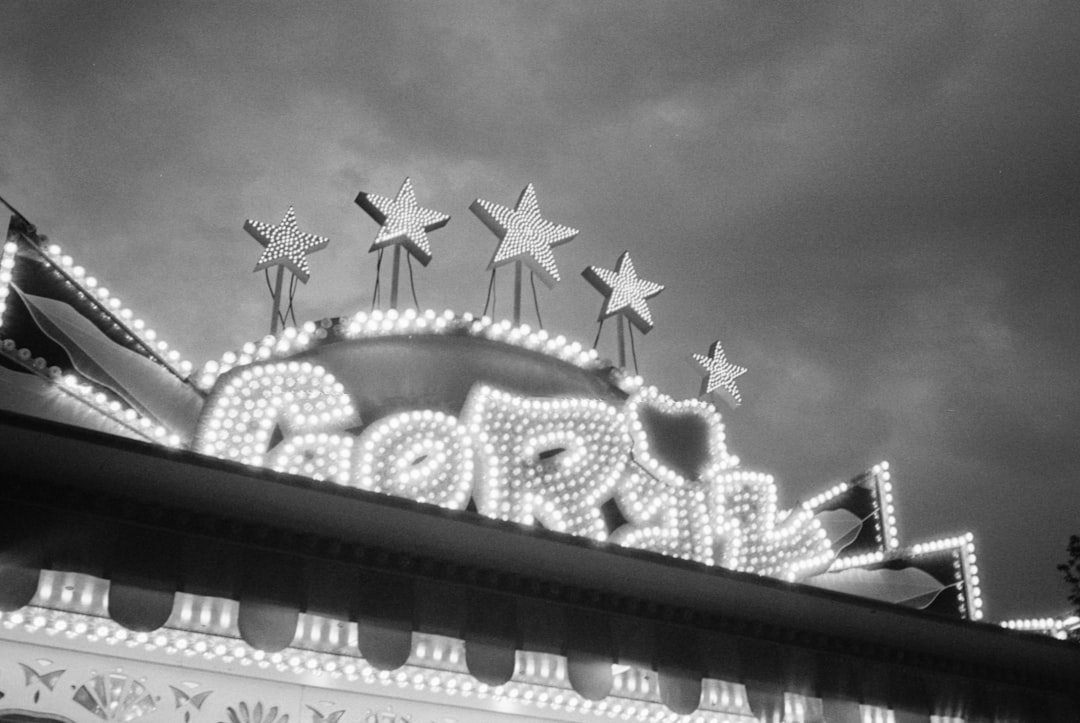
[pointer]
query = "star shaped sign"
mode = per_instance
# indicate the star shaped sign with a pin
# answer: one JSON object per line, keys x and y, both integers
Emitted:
{"x": 720, "y": 374}
{"x": 284, "y": 245}
{"x": 625, "y": 291}
{"x": 524, "y": 235}
{"x": 402, "y": 221}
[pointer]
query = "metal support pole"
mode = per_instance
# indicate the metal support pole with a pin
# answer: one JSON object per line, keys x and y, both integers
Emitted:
{"x": 517, "y": 293}
{"x": 622, "y": 341}
{"x": 394, "y": 277}
{"x": 277, "y": 299}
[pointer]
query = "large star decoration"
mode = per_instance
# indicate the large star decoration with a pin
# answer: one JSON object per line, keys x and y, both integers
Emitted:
{"x": 625, "y": 291}
{"x": 284, "y": 245}
{"x": 402, "y": 221}
{"x": 524, "y": 235}
{"x": 720, "y": 374}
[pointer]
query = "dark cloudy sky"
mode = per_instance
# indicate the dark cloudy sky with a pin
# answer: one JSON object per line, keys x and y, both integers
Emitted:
{"x": 876, "y": 207}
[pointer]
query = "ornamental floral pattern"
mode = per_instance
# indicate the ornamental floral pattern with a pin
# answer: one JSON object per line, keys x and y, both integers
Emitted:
{"x": 41, "y": 684}
{"x": 115, "y": 697}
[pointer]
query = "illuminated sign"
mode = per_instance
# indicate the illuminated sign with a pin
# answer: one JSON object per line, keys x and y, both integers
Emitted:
{"x": 524, "y": 235}
{"x": 285, "y": 245}
{"x": 719, "y": 374}
{"x": 402, "y": 221}
{"x": 557, "y": 461}
{"x": 624, "y": 291}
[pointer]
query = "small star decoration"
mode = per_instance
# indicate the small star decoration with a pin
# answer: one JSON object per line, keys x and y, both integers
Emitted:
{"x": 403, "y": 221}
{"x": 285, "y": 245}
{"x": 524, "y": 235}
{"x": 625, "y": 291}
{"x": 720, "y": 374}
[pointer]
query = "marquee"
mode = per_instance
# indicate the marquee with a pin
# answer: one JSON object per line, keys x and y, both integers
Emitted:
{"x": 464, "y": 412}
